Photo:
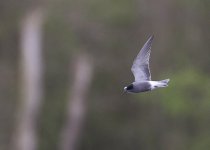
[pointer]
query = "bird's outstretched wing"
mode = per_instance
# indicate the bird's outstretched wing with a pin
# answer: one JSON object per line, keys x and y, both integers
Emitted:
{"x": 140, "y": 67}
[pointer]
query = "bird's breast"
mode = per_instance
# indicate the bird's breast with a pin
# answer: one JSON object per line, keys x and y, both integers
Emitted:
{"x": 142, "y": 86}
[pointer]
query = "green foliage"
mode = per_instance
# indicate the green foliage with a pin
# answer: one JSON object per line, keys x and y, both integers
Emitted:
{"x": 188, "y": 91}
{"x": 114, "y": 13}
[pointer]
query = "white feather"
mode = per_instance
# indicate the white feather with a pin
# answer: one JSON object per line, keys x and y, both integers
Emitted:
{"x": 157, "y": 84}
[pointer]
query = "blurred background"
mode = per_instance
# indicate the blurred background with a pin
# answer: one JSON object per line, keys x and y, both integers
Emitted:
{"x": 64, "y": 63}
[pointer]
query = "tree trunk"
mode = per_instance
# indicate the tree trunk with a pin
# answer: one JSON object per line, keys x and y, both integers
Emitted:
{"x": 77, "y": 103}
{"x": 31, "y": 81}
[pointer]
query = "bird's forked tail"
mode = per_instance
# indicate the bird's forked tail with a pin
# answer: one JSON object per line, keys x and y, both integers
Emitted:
{"x": 164, "y": 83}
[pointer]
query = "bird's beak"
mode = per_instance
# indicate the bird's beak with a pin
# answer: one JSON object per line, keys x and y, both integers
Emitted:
{"x": 124, "y": 92}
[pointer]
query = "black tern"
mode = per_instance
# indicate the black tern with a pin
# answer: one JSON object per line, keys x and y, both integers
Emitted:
{"x": 141, "y": 72}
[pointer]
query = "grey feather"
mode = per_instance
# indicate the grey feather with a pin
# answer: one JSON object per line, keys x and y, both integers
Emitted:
{"x": 140, "y": 67}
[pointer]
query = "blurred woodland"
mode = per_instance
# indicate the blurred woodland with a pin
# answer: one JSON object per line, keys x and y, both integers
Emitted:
{"x": 64, "y": 63}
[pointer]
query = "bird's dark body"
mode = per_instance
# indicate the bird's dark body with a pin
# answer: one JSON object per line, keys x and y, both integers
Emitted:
{"x": 137, "y": 87}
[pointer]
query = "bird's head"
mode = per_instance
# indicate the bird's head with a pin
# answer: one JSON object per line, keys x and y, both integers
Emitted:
{"x": 128, "y": 88}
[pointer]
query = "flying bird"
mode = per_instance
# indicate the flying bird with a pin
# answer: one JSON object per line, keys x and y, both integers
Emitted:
{"x": 141, "y": 72}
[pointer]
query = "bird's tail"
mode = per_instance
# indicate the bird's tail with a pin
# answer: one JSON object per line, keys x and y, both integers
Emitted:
{"x": 164, "y": 83}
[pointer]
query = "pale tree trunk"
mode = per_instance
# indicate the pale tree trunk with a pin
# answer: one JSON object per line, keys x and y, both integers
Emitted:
{"x": 76, "y": 108}
{"x": 31, "y": 67}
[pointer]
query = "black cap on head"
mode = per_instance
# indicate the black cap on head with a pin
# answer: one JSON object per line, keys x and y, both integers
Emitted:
{"x": 130, "y": 87}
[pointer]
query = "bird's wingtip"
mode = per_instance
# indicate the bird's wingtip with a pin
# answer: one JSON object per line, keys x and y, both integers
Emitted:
{"x": 152, "y": 36}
